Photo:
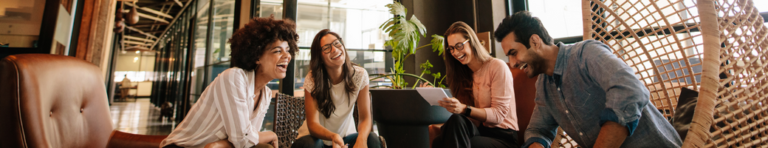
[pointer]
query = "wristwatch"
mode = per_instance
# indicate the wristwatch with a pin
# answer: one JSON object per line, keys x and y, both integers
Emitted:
{"x": 467, "y": 111}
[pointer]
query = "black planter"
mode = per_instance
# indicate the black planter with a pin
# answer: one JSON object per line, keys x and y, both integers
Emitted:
{"x": 403, "y": 117}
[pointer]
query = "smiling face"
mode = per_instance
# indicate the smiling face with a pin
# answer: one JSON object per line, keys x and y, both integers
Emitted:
{"x": 274, "y": 62}
{"x": 333, "y": 51}
{"x": 521, "y": 57}
{"x": 464, "y": 54}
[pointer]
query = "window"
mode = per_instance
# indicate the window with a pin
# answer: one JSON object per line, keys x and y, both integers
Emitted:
{"x": 356, "y": 22}
{"x": 271, "y": 8}
{"x": 762, "y": 6}
{"x": 200, "y": 34}
{"x": 562, "y": 18}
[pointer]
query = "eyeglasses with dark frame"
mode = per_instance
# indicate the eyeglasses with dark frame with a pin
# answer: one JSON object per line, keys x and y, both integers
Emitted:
{"x": 327, "y": 47}
{"x": 457, "y": 46}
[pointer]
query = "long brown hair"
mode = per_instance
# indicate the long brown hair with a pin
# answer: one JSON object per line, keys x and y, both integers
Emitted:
{"x": 322, "y": 86}
{"x": 459, "y": 76}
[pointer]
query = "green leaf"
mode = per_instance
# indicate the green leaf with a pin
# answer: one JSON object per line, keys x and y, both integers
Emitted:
{"x": 419, "y": 26}
{"x": 387, "y": 23}
{"x": 397, "y": 9}
{"x": 426, "y": 65}
{"x": 437, "y": 44}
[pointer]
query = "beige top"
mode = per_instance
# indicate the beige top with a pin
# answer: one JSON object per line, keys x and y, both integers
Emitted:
{"x": 126, "y": 83}
{"x": 225, "y": 110}
{"x": 493, "y": 92}
{"x": 341, "y": 120}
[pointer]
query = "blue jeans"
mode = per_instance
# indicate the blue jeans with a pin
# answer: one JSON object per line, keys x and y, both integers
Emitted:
{"x": 311, "y": 142}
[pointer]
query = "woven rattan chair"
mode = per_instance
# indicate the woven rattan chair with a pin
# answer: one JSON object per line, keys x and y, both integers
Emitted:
{"x": 289, "y": 115}
{"x": 673, "y": 44}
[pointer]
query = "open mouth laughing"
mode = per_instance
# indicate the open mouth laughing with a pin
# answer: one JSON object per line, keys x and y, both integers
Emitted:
{"x": 282, "y": 66}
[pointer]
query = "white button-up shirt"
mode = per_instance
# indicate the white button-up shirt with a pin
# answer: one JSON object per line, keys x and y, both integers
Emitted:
{"x": 225, "y": 110}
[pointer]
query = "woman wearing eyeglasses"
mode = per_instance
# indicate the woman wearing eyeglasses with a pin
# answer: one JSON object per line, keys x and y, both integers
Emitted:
{"x": 484, "y": 103}
{"x": 333, "y": 87}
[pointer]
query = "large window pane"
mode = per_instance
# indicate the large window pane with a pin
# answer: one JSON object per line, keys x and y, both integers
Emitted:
{"x": 761, "y": 5}
{"x": 562, "y": 18}
{"x": 271, "y": 8}
{"x": 311, "y": 18}
{"x": 201, "y": 32}
{"x": 223, "y": 25}
{"x": 356, "y": 22}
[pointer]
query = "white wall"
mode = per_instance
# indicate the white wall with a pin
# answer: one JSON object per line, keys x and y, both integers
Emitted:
{"x": 126, "y": 62}
{"x": 20, "y": 32}
{"x": 63, "y": 29}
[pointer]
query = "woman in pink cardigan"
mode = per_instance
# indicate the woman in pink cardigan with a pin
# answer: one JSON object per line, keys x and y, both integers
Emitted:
{"x": 484, "y": 101}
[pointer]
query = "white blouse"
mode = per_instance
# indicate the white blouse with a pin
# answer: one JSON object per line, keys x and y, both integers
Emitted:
{"x": 341, "y": 120}
{"x": 225, "y": 110}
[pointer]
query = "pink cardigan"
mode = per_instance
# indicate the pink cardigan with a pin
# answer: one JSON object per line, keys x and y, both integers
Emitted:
{"x": 493, "y": 92}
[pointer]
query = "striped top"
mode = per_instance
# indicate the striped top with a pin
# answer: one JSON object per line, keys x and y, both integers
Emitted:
{"x": 225, "y": 110}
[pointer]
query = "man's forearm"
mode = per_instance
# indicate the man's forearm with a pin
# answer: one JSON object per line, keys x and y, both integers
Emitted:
{"x": 611, "y": 135}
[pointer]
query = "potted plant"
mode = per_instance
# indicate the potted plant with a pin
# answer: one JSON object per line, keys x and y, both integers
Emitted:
{"x": 405, "y": 36}
{"x": 401, "y": 114}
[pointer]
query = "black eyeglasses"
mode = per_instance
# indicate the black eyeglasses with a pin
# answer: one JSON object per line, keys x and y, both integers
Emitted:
{"x": 327, "y": 47}
{"x": 457, "y": 46}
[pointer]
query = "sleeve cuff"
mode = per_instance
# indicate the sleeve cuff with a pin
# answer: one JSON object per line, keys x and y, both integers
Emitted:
{"x": 609, "y": 115}
{"x": 490, "y": 116}
{"x": 252, "y": 138}
{"x": 536, "y": 139}
{"x": 249, "y": 144}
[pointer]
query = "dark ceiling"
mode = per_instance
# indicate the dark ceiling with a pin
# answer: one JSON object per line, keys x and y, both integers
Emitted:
{"x": 154, "y": 18}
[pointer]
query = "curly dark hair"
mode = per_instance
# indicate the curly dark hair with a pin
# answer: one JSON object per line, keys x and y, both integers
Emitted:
{"x": 249, "y": 43}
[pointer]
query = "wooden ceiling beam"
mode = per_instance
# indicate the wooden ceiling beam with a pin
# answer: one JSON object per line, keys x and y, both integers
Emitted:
{"x": 148, "y": 25}
{"x": 179, "y": 3}
{"x": 161, "y": 3}
{"x": 142, "y": 32}
{"x": 136, "y": 43}
{"x": 150, "y": 10}
{"x": 149, "y": 17}
{"x": 153, "y": 18}
{"x": 138, "y": 38}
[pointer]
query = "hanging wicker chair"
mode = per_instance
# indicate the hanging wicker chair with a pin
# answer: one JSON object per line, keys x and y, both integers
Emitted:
{"x": 716, "y": 47}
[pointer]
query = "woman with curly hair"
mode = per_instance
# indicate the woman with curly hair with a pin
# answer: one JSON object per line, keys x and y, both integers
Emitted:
{"x": 335, "y": 85}
{"x": 231, "y": 110}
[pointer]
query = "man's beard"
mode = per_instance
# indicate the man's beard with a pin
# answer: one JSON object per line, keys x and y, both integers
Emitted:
{"x": 536, "y": 66}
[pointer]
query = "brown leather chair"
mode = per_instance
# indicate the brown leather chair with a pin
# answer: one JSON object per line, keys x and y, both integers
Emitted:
{"x": 58, "y": 101}
{"x": 525, "y": 93}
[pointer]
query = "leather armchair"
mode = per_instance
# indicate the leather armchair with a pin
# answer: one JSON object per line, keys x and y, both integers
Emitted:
{"x": 58, "y": 101}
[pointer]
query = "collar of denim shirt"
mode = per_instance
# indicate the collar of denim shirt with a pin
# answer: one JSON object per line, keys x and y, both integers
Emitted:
{"x": 562, "y": 59}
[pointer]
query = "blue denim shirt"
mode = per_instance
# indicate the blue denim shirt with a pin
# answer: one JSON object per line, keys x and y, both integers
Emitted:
{"x": 590, "y": 86}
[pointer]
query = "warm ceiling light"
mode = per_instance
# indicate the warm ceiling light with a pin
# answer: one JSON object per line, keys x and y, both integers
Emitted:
{"x": 138, "y": 51}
